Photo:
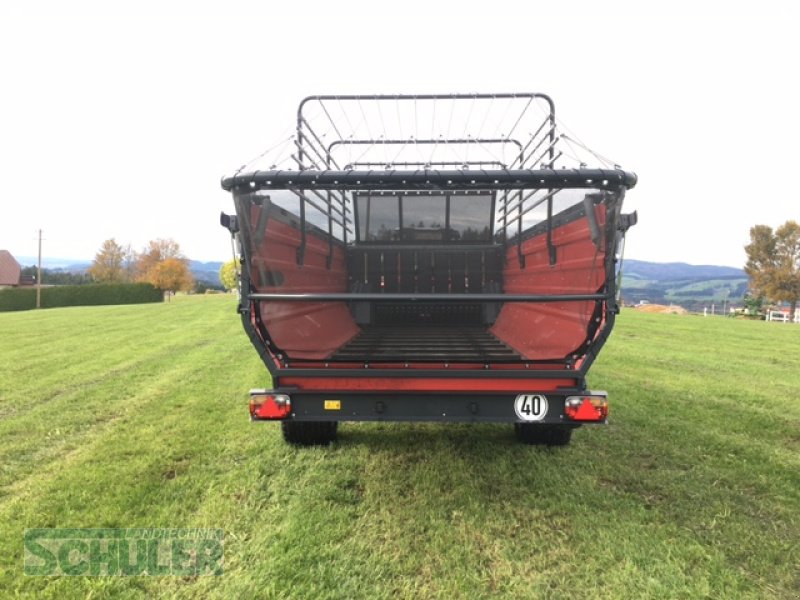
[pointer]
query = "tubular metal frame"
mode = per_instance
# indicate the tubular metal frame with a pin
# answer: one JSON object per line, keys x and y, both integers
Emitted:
{"x": 533, "y": 168}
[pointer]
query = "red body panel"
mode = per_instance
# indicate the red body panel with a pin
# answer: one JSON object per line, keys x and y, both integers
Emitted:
{"x": 312, "y": 331}
{"x": 556, "y": 329}
{"x": 304, "y": 330}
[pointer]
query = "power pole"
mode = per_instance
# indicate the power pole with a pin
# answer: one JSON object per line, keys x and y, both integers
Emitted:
{"x": 39, "y": 275}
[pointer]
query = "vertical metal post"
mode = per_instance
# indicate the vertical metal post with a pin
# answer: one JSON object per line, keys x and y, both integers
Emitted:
{"x": 505, "y": 217}
{"x": 344, "y": 219}
{"x": 551, "y": 249}
{"x": 520, "y": 255}
{"x": 400, "y": 214}
{"x": 329, "y": 262}
{"x": 356, "y": 217}
{"x": 447, "y": 236}
{"x": 300, "y": 151}
{"x": 368, "y": 202}
{"x": 301, "y": 251}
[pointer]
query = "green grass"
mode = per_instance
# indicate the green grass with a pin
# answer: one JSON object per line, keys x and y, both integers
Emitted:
{"x": 710, "y": 289}
{"x": 135, "y": 416}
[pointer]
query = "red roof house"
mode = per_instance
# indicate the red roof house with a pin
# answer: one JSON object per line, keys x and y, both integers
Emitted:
{"x": 9, "y": 269}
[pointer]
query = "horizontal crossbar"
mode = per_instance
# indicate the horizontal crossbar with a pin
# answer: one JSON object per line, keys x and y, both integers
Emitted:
{"x": 373, "y": 297}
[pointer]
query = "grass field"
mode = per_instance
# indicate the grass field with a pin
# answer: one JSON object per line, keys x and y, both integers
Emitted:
{"x": 135, "y": 416}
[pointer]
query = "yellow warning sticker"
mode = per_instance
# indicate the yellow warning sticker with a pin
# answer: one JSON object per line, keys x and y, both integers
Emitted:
{"x": 333, "y": 404}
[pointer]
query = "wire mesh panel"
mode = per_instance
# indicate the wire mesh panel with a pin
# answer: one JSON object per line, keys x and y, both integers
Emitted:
{"x": 425, "y": 131}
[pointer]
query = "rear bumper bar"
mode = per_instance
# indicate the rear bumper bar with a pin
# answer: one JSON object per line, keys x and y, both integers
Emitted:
{"x": 546, "y": 408}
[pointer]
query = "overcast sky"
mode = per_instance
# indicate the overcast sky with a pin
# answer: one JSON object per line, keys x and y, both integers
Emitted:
{"x": 119, "y": 122}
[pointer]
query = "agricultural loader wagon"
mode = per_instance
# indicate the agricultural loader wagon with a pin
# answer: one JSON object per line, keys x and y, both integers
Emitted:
{"x": 450, "y": 258}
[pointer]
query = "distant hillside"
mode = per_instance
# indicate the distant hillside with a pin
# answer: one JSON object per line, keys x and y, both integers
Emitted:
{"x": 207, "y": 272}
{"x": 690, "y": 286}
{"x": 640, "y": 269}
{"x": 72, "y": 265}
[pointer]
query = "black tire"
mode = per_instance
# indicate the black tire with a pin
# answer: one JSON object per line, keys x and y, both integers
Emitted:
{"x": 309, "y": 433}
{"x": 545, "y": 435}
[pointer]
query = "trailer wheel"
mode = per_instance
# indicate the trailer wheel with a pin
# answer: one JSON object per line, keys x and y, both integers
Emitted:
{"x": 309, "y": 433}
{"x": 547, "y": 435}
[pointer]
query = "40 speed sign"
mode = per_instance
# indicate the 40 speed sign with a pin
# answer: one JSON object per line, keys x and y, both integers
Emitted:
{"x": 530, "y": 407}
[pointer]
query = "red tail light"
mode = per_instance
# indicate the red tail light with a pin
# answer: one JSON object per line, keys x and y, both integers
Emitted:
{"x": 268, "y": 405}
{"x": 590, "y": 407}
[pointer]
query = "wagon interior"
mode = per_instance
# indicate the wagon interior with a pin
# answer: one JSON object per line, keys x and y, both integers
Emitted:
{"x": 429, "y": 232}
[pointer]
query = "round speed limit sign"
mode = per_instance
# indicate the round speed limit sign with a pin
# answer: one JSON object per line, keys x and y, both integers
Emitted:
{"x": 530, "y": 407}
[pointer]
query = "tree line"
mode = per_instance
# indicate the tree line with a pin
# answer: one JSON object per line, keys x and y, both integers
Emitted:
{"x": 161, "y": 264}
{"x": 55, "y": 276}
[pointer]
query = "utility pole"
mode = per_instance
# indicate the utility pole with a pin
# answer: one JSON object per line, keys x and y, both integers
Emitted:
{"x": 39, "y": 275}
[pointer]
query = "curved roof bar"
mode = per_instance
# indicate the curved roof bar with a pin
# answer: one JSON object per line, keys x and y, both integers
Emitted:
{"x": 435, "y": 179}
{"x": 307, "y": 99}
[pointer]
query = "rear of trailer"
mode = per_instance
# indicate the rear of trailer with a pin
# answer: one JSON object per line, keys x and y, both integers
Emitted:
{"x": 430, "y": 258}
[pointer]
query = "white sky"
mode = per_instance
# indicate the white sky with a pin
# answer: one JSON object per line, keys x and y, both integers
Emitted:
{"x": 118, "y": 119}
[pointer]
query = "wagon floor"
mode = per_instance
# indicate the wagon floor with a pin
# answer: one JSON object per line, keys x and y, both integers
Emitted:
{"x": 435, "y": 344}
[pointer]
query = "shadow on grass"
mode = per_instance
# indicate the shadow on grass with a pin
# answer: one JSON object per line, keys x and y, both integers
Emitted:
{"x": 483, "y": 461}
{"x": 419, "y": 436}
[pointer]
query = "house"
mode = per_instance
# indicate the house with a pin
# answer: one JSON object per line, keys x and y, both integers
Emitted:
{"x": 9, "y": 270}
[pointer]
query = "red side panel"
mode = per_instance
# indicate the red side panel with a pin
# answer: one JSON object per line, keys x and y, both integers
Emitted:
{"x": 555, "y": 329}
{"x": 304, "y": 330}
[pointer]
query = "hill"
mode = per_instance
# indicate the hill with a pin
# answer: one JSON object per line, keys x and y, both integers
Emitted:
{"x": 207, "y": 272}
{"x": 690, "y": 286}
{"x": 640, "y": 269}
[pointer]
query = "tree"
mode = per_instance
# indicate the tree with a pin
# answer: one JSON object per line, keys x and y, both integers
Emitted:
{"x": 129, "y": 259}
{"x": 172, "y": 275}
{"x": 753, "y": 305}
{"x": 228, "y": 275}
{"x": 163, "y": 265}
{"x": 156, "y": 251}
{"x": 773, "y": 263}
{"x": 107, "y": 264}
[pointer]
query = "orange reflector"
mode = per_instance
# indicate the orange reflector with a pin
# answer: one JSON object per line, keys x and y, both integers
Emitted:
{"x": 586, "y": 408}
{"x": 264, "y": 405}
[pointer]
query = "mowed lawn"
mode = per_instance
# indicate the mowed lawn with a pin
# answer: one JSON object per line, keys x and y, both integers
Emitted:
{"x": 135, "y": 416}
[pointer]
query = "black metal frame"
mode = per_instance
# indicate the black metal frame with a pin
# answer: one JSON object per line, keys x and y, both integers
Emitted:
{"x": 433, "y": 179}
{"x": 312, "y": 142}
{"x": 319, "y": 174}
{"x": 427, "y": 297}
{"x": 505, "y": 180}
{"x": 427, "y": 164}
